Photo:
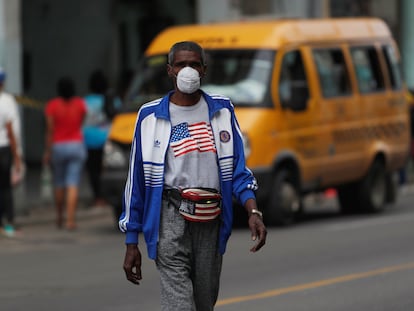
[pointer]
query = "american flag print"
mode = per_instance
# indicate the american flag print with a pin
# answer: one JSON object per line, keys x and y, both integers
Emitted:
{"x": 197, "y": 137}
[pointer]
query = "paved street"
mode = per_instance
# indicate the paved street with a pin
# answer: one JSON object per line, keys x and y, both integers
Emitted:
{"x": 326, "y": 262}
{"x": 45, "y": 268}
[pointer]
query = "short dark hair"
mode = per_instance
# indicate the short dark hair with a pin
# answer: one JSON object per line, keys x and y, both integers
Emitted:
{"x": 186, "y": 46}
{"x": 66, "y": 87}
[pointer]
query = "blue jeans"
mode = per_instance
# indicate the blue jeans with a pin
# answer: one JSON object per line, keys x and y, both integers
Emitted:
{"x": 67, "y": 163}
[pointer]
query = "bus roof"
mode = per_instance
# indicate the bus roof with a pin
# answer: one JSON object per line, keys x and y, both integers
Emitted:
{"x": 270, "y": 34}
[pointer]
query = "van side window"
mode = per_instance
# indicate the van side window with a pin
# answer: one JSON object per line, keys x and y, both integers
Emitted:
{"x": 393, "y": 66}
{"x": 332, "y": 72}
{"x": 367, "y": 69}
{"x": 293, "y": 85}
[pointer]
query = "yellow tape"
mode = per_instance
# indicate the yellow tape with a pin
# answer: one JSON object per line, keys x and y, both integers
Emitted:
{"x": 29, "y": 102}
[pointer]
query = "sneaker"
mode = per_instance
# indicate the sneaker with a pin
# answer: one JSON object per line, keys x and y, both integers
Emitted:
{"x": 9, "y": 231}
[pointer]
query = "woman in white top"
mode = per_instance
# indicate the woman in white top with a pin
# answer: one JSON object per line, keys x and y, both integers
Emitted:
{"x": 9, "y": 157}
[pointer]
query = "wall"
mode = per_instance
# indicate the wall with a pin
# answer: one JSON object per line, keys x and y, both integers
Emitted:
{"x": 10, "y": 43}
{"x": 64, "y": 38}
{"x": 216, "y": 10}
{"x": 223, "y": 10}
{"x": 74, "y": 37}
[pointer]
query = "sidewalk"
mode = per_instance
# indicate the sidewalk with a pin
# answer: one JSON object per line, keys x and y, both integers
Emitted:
{"x": 31, "y": 208}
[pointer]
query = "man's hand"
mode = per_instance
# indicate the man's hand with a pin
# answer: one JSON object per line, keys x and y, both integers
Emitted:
{"x": 256, "y": 225}
{"x": 258, "y": 230}
{"x": 132, "y": 264}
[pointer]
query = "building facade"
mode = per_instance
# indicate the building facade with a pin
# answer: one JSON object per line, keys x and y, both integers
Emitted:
{"x": 41, "y": 40}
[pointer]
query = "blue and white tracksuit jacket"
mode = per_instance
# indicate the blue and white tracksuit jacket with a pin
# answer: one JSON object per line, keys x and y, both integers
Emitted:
{"x": 144, "y": 185}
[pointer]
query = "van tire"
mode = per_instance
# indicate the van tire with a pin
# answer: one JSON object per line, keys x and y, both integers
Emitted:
{"x": 285, "y": 203}
{"x": 373, "y": 188}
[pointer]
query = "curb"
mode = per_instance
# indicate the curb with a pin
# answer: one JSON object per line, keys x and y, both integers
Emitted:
{"x": 35, "y": 207}
{"x": 37, "y": 216}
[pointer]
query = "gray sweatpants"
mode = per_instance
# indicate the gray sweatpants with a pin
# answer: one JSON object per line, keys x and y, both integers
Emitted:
{"x": 188, "y": 262}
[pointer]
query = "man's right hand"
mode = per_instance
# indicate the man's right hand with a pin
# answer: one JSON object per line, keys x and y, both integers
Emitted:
{"x": 132, "y": 264}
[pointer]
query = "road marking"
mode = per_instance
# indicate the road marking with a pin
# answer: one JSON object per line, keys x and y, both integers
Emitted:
{"x": 313, "y": 285}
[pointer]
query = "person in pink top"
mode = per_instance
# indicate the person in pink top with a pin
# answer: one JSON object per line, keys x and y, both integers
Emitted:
{"x": 64, "y": 148}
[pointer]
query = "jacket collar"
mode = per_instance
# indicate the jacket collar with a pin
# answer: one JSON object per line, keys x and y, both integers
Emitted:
{"x": 162, "y": 110}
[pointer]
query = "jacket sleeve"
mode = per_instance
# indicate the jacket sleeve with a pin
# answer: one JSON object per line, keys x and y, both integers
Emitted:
{"x": 130, "y": 220}
{"x": 244, "y": 183}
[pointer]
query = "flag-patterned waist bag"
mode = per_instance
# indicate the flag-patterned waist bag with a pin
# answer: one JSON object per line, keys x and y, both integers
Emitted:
{"x": 196, "y": 204}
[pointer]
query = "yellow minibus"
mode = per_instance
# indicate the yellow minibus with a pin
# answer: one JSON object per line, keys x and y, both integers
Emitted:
{"x": 321, "y": 103}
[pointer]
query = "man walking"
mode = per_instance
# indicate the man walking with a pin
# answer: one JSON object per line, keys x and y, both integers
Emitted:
{"x": 187, "y": 162}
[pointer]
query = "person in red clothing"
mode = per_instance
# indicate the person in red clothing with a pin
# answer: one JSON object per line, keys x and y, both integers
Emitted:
{"x": 64, "y": 148}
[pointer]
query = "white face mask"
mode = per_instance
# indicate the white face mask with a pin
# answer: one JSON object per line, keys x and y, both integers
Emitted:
{"x": 188, "y": 80}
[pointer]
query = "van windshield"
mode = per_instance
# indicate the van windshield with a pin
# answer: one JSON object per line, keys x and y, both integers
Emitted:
{"x": 242, "y": 75}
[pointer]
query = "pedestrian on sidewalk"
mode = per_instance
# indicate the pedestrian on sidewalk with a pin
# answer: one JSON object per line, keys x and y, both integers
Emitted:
{"x": 187, "y": 163}
{"x": 64, "y": 149}
{"x": 10, "y": 156}
{"x": 95, "y": 131}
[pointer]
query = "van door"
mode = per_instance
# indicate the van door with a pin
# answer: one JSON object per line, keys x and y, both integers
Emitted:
{"x": 398, "y": 127}
{"x": 339, "y": 114}
{"x": 298, "y": 135}
{"x": 375, "y": 112}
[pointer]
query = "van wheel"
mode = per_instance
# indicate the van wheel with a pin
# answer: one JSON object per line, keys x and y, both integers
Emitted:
{"x": 373, "y": 188}
{"x": 284, "y": 200}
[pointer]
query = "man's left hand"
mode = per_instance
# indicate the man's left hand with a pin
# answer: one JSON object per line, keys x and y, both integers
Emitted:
{"x": 258, "y": 230}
